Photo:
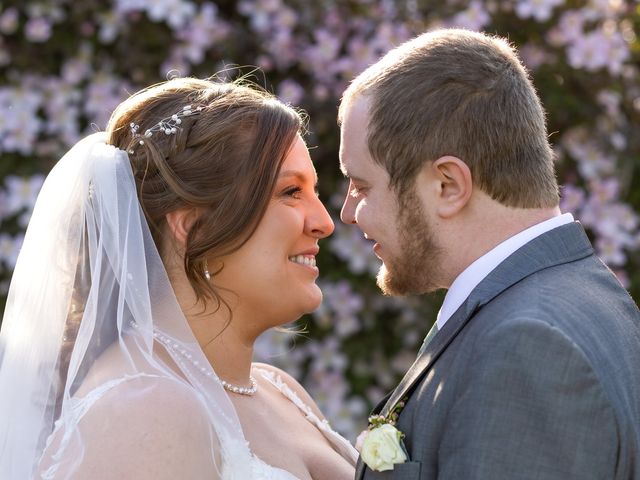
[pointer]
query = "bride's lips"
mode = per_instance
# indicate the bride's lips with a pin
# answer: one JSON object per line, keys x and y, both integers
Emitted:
{"x": 306, "y": 260}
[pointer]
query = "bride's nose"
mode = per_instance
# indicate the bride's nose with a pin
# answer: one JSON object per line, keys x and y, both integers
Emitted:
{"x": 319, "y": 223}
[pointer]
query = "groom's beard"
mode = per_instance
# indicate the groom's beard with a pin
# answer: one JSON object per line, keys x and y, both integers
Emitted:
{"x": 416, "y": 268}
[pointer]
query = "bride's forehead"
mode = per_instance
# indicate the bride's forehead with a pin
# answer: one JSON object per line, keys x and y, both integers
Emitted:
{"x": 298, "y": 163}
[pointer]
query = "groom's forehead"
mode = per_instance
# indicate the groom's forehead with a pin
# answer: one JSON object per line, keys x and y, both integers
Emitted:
{"x": 354, "y": 149}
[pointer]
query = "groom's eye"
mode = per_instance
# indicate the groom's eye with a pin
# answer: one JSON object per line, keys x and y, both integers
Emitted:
{"x": 355, "y": 191}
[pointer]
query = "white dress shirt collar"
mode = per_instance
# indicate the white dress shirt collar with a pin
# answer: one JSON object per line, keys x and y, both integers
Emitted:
{"x": 470, "y": 277}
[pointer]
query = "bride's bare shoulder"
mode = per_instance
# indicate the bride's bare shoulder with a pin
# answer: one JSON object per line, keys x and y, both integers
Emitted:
{"x": 292, "y": 383}
{"x": 145, "y": 427}
{"x": 142, "y": 425}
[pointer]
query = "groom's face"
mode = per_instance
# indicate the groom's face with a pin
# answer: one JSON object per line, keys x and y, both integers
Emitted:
{"x": 403, "y": 235}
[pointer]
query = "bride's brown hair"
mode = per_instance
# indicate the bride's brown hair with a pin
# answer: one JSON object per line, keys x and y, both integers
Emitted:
{"x": 222, "y": 161}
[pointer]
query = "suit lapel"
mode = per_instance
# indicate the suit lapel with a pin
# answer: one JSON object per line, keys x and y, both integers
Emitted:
{"x": 560, "y": 245}
{"x": 431, "y": 353}
{"x": 360, "y": 468}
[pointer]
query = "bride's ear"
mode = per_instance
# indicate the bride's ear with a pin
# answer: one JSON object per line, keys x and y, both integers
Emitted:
{"x": 180, "y": 222}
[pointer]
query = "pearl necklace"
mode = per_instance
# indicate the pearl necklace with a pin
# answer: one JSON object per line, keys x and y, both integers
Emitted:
{"x": 205, "y": 369}
{"x": 241, "y": 390}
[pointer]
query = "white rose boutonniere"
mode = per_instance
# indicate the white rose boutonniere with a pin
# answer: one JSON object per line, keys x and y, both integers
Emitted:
{"x": 382, "y": 448}
{"x": 381, "y": 444}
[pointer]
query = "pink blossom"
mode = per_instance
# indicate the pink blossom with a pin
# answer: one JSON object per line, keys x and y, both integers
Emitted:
{"x": 340, "y": 308}
{"x": 388, "y": 35}
{"x": 320, "y": 92}
{"x": 606, "y": 189}
{"x": 176, "y": 13}
{"x": 290, "y": 91}
{"x": 349, "y": 244}
{"x": 37, "y": 30}
{"x": 572, "y": 199}
{"x": 9, "y": 21}
{"x": 592, "y": 160}
{"x": 286, "y": 19}
{"x": 589, "y": 52}
{"x": 110, "y": 24}
{"x": 326, "y": 356}
{"x": 283, "y": 48}
{"x": 20, "y": 126}
{"x": 176, "y": 62}
{"x": 618, "y": 140}
{"x": 610, "y": 99}
{"x": 78, "y": 68}
{"x": 608, "y": 8}
{"x": 361, "y": 54}
{"x": 323, "y": 49}
{"x": 475, "y": 17}
{"x": 533, "y": 56}
{"x": 203, "y": 31}
{"x": 619, "y": 53}
{"x": 103, "y": 95}
{"x": 21, "y": 193}
{"x": 571, "y": 24}
{"x": 599, "y": 49}
{"x": 539, "y": 9}
{"x": 610, "y": 251}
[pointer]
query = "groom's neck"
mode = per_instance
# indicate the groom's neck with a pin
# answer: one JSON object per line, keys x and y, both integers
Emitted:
{"x": 481, "y": 227}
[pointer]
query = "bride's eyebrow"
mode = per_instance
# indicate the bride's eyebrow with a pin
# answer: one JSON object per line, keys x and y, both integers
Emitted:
{"x": 297, "y": 174}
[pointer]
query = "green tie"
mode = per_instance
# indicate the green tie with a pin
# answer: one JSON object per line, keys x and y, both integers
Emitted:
{"x": 428, "y": 338}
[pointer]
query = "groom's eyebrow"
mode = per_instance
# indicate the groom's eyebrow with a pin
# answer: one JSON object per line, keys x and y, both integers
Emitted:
{"x": 349, "y": 175}
{"x": 353, "y": 178}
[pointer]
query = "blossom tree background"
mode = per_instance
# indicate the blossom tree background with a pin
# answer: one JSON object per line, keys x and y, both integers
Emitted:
{"x": 65, "y": 65}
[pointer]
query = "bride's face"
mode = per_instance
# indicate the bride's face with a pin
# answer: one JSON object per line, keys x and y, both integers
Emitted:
{"x": 273, "y": 274}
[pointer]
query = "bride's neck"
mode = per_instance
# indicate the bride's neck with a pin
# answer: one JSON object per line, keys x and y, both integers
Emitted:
{"x": 227, "y": 347}
{"x": 222, "y": 333}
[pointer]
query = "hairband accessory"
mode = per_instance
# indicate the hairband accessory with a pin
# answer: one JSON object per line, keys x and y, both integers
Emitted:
{"x": 168, "y": 125}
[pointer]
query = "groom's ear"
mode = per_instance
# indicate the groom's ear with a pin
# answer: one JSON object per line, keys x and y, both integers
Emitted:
{"x": 453, "y": 185}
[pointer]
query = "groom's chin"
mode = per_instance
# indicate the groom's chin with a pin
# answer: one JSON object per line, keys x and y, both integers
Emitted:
{"x": 391, "y": 284}
{"x": 402, "y": 283}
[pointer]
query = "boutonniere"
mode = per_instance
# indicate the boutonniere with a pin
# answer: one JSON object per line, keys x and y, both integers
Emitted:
{"x": 380, "y": 445}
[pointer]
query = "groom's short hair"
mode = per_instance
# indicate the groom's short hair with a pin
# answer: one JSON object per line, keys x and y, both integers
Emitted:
{"x": 461, "y": 93}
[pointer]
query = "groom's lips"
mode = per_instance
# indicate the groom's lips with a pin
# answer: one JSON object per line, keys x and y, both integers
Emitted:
{"x": 376, "y": 246}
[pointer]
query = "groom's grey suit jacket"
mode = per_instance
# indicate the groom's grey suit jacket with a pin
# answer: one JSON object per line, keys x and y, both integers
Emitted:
{"x": 536, "y": 375}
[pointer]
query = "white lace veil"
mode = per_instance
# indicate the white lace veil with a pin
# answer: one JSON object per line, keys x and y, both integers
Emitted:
{"x": 89, "y": 280}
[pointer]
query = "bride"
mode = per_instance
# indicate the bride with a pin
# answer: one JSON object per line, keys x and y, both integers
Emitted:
{"x": 157, "y": 253}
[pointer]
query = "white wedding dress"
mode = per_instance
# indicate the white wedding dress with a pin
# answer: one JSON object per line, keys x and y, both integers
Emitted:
{"x": 259, "y": 469}
{"x": 90, "y": 283}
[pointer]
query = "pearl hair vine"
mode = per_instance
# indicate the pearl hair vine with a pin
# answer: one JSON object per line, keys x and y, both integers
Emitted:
{"x": 168, "y": 125}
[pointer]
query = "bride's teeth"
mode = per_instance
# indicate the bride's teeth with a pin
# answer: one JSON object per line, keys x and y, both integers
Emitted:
{"x": 302, "y": 260}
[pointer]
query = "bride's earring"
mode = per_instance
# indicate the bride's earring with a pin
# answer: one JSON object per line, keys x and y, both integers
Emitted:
{"x": 207, "y": 275}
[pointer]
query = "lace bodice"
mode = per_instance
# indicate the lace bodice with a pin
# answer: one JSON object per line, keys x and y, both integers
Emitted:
{"x": 259, "y": 469}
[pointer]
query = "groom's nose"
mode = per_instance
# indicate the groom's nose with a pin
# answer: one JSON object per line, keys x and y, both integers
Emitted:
{"x": 348, "y": 211}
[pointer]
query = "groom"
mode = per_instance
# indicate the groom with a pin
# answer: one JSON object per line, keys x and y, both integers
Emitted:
{"x": 532, "y": 369}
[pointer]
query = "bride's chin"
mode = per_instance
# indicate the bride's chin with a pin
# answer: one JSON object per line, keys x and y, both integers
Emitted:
{"x": 313, "y": 300}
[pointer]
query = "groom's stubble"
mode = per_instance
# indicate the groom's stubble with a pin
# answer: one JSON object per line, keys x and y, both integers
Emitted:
{"x": 416, "y": 268}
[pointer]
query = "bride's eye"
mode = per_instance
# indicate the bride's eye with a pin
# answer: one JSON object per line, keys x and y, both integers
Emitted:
{"x": 293, "y": 192}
